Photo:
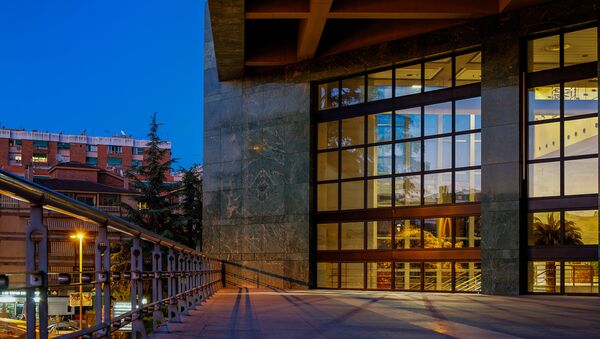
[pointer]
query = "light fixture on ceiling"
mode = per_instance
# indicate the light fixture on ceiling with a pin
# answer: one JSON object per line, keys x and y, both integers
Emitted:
{"x": 556, "y": 47}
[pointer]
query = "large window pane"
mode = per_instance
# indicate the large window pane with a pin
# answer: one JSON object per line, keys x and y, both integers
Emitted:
{"x": 468, "y": 232}
{"x": 438, "y": 118}
{"x": 380, "y": 85}
{"x": 408, "y": 80}
{"x": 581, "y": 46}
{"x": 468, "y": 186}
{"x": 379, "y": 235}
{"x": 327, "y": 197}
{"x": 581, "y": 136}
{"x": 408, "y": 157}
{"x": 544, "y": 102}
{"x": 408, "y": 123}
{"x": 379, "y": 193}
{"x": 408, "y": 190}
{"x": 379, "y": 160}
{"x": 468, "y": 68}
{"x": 379, "y": 275}
{"x": 408, "y": 234}
{"x": 581, "y": 277}
{"x": 329, "y": 95}
{"x": 468, "y": 114}
{"x": 408, "y": 276}
{"x": 380, "y": 127}
{"x": 353, "y": 163}
{"x": 468, "y": 150}
{"x": 327, "y": 275}
{"x": 327, "y": 166}
{"x": 581, "y": 176}
{"x": 353, "y": 91}
{"x": 327, "y": 237}
{"x": 544, "y": 53}
{"x": 438, "y": 188}
{"x": 544, "y": 229}
{"x": 437, "y": 233}
{"x": 468, "y": 276}
{"x": 353, "y": 236}
{"x": 544, "y": 141}
{"x": 438, "y": 153}
{"x": 544, "y": 179}
{"x": 353, "y": 195}
{"x": 353, "y": 131}
{"x": 581, "y": 97}
{"x": 438, "y": 276}
{"x": 353, "y": 275}
{"x": 438, "y": 74}
{"x": 544, "y": 277}
{"x": 581, "y": 227}
{"x": 328, "y": 135}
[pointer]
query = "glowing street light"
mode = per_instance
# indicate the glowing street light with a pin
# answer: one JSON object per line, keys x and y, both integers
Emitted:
{"x": 80, "y": 236}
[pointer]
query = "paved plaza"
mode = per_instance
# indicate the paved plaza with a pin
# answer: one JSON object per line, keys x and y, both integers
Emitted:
{"x": 267, "y": 313}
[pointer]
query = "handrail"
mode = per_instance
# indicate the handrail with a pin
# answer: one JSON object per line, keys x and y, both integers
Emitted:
{"x": 22, "y": 189}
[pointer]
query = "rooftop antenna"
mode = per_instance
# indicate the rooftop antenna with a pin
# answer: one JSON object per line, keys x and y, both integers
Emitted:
{"x": 123, "y": 134}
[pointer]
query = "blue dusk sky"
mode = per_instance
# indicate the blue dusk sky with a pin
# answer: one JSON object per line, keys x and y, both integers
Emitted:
{"x": 104, "y": 66}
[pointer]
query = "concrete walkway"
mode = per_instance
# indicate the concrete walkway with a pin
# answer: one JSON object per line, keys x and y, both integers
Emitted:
{"x": 266, "y": 313}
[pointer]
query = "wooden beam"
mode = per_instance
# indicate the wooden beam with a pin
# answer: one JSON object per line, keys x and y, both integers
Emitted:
{"x": 276, "y": 15}
{"x": 402, "y": 15}
{"x": 311, "y": 29}
{"x": 502, "y": 4}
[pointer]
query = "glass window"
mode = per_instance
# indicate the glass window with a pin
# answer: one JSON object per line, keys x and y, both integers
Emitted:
{"x": 353, "y": 164}
{"x": 408, "y": 234}
{"x": 380, "y": 85}
{"x": 329, "y": 95}
{"x": 581, "y": 227}
{"x": 544, "y": 229}
{"x": 581, "y": 277}
{"x": 379, "y": 160}
{"x": 544, "y": 277}
{"x": 544, "y": 102}
{"x": 468, "y": 232}
{"x": 468, "y": 114}
{"x": 408, "y": 123}
{"x": 91, "y": 161}
{"x": 438, "y": 276}
{"x": 353, "y": 236}
{"x": 379, "y": 193}
{"x": 408, "y": 80}
{"x": 408, "y": 157}
{"x": 408, "y": 276}
{"x": 581, "y": 46}
{"x": 544, "y": 179}
{"x": 39, "y": 157}
{"x": 581, "y": 176}
{"x": 468, "y": 68}
{"x": 113, "y": 161}
{"x": 544, "y": 53}
{"x": 581, "y": 136}
{"x": 438, "y": 153}
{"x": 468, "y": 150}
{"x": 437, "y": 188}
{"x": 437, "y": 233}
{"x": 327, "y": 237}
{"x": 379, "y": 275}
{"x": 438, "y": 74}
{"x": 380, "y": 127}
{"x": 109, "y": 200}
{"x": 353, "y": 91}
{"x": 379, "y": 235}
{"x": 353, "y": 275}
{"x": 63, "y": 145}
{"x": 353, "y": 131}
{"x": 468, "y": 276}
{"x": 40, "y": 144}
{"x": 467, "y": 186}
{"x": 115, "y": 149}
{"x": 353, "y": 195}
{"x": 327, "y": 197}
{"x": 328, "y": 135}
{"x": 438, "y": 118}
{"x": 91, "y": 148}
{"x": 327, "y": 166}
{"x": 327, "y": 275}
{"x": 408, "y": 190}
{"x": 581, "y": 97}
{"x": 544, "y": 141}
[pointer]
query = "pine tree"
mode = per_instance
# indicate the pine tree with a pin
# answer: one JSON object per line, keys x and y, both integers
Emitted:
{"x": 190, "y": 206}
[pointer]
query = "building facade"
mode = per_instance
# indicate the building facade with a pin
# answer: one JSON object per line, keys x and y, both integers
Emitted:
{"x": 458, "y": 158}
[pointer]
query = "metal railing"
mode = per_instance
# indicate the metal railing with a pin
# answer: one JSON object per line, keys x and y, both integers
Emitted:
{"x": 190, "y": 277}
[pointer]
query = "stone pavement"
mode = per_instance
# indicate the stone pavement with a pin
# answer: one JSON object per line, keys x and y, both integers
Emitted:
{"x": 267, "y": 313}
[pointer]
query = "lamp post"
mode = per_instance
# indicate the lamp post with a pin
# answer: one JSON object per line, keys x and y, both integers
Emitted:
{"x": 80, "y": 236}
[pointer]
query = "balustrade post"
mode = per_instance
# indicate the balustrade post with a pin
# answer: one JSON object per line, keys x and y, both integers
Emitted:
{"x": 189, "y": 299}
{"x": 172, "y": 309}
{"x": 196, "y": 281}
{"x": 181, "y": 301}
{"x": 158, "y": 318}
{"x": 137, "y": 323}
{"x": 102, "y": 285}
{"x": 36, "y": 247}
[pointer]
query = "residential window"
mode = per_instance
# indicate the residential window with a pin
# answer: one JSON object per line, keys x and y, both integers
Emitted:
{"x": 40, "y": 144}
{"x": 115, "y": 149}
{"x": 110, "y": 161}
{"x": 91, "y": 148}
{"x": 39, "y": 158}
{"x": 136, "y": 163}
{"x": 14, "y": 142}
{"x": 109, "y": 200}
{"x": 137, "y": 150}
{"x": 91, "y": 161}
{"x": 63, "y": 145}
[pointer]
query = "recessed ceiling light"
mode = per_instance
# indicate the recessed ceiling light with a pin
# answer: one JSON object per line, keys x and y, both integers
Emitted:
{"x": 555, "y": 48}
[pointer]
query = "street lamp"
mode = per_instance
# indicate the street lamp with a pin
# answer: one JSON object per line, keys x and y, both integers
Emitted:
{"x": 80, "y": 236}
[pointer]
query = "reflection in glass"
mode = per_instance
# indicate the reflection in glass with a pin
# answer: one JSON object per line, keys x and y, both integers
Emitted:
{"x": 379, "y": 275}
{"x": 380, "y": 127}
{"x": 468, "y": 276}
{"x": 327, "y": 197}
{"x": 353, "y": 275}
{"x": 544, "y": 179}
{"x": 437, "y": 233}
{"x": 468, "y": 114}
{"x": 543, "y": 229}
{"x": 353, "y": 131}
{"x": 379, "y": 235}
{"x": 581, "y": 277}
{"x": 544, "y": 102}
{"x": 438, "y": 74}
{"x": 408, "y": 276}
{"x": 544, "y": 141}
{"x": 468, "y": 68}
{"x": 581, "y": 46}
{"x": 329, "y": 95}
{"x": 408, "y": 157}
{"x": 438, "y": 118}
{"x": 581, "y": 136}
{"x": 328, "y": 135}
{"x": 380, "y": 85}
{"x": 438, "y": 276}
{"x": 353, "y": 195}
{"x": 468, "y": 186}
{"x": 353, "y": 164}
{"x": 581, "y": 97}
{"x": 327, "y": 237}
{"x": 379, "y": 193}
{"x": 468, "y": 232}
{"x": 379, "y": 160}
{"x": 353, "y": 91}
{"x": 408, "y": 123}
{"x": 438, "y": 188}
{"x": 408, "y": 190}
{"x": 581, "y": 176}
{"x": 438, "y": 153}
{"x": 327, "y": 275}
{"x": 327, "y": 166}
{"x": 353, "y": 235}
{"x": 584, "y": 226}
{"x": 408, "y": 80}
{"x": 544, "y": 277}
{"x": 468, "y": 150}
{"x": 543, "y": 53}
{"x": 408, "y": 234}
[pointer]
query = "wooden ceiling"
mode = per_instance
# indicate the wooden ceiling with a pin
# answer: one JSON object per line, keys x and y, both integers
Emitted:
{"x": 280, "y": 32}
